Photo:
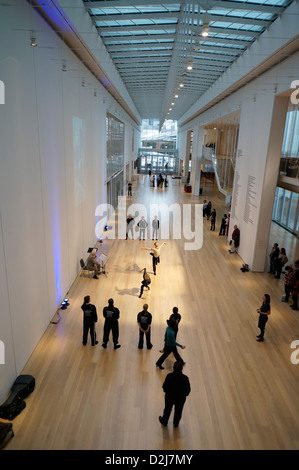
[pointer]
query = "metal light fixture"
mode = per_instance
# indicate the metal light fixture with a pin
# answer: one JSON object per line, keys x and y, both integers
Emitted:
{"x": 205, "y": 30}
{"x": 33, "y": 40}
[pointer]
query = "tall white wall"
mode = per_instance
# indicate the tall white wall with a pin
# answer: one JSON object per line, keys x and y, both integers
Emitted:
{"x": 263, "y": 106}
{"x": 52, "y": 177}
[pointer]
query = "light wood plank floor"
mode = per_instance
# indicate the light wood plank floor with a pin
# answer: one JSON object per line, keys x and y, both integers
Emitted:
{"x": 244, "y": 394}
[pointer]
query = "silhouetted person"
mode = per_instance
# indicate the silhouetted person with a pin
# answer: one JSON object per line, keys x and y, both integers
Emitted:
{"x": 111, "y": 315}
{"x": 89, "y": 319}
{"x": 176, "y": 387}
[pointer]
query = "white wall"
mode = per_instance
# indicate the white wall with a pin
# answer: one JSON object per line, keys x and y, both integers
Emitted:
{"x": 259, "y": 145}
{"x": 52, "y": 173}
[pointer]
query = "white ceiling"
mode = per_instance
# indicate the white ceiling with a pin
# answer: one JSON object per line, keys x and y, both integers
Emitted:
{"x": 151, "y": 43}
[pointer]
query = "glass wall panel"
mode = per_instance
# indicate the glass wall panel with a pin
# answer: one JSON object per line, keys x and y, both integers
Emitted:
{"x": 285, "y": 210}
{"x": 115, "y": 145}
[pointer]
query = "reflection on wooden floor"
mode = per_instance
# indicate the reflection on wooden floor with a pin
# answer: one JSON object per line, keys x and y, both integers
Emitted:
{"x": 244, "y": 394}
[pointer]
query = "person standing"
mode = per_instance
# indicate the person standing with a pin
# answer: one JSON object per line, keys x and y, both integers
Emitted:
{"x": 273, "y": 255}
{"x": 176, "y": 387}
{"x": 208, "y": 210}
{"x": 170, "y": 345}
{"x": 223, "y": 225}
{"x": 130, "y": 223}
{"x": 213, "y": 219}
{"x": 235, "y": 241}
{"x": 289, "y": 279}
{"x": 279, "y": 262}
{"x": 155, "y": 252}
{"x": 144, "y": 321}
{"x": 155, "y": 227}
{"x": 264, "y": 313}
{"x": 142, "y": 225}
{"x": 146, "y": 281}
{"x": 176, "y": 317}
{"x": 111, "y": 315}
{"x": 295, "y": 291}
{"x": 90, "y": 317}
{"x": 129, "y": 188}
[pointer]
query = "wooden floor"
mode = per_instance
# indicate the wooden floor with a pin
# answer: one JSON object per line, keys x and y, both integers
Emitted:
{"x": 244, "y": 394}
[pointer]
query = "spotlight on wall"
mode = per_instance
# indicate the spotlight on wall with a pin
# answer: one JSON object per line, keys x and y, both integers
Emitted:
{"x": 66, "y": 302}
{"x": 33, "y": 39}
{"x": 63, "y": 305}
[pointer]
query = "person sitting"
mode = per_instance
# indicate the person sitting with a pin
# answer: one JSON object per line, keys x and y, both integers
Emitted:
{"x": 92, "y": 264}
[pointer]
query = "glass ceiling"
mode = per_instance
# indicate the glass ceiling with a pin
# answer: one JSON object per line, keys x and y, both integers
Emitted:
{"x": 145, "y": 38}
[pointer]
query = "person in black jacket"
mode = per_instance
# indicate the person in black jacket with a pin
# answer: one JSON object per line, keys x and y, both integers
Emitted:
{"x": 111, "y": 315}
{"x": 144, "y": 321}
{"x": 89, "y": 319}
{"x": 176, "y": 387}
{"x": 176, "y": 317}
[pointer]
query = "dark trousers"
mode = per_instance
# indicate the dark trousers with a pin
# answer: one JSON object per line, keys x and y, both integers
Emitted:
{"x": 155, "y": 262}
{"x": 262, "y": 324}
{"x": 108, "y": 326}
{"x": 147, "y": 337}
{"x": 168, "y": 350}
{"x": 213, "y": 224}
{"x": 287, "y": 289}
{"x": 143, "y": 285}
{"x": 222, "y": 230}
{"x": 89, "y": 326}
{"x": 295, "y": 301}
{"x": 178, "y": 404}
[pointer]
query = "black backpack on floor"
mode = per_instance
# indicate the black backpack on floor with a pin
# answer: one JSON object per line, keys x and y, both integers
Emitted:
{"x": 22, "y": 387}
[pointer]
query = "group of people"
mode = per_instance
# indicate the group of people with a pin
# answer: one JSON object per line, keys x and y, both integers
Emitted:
{"x": 176, "y": 385}
{"x": 278, "y": 260}
{"x": 142, "y": 226}
{"x": 160, "y": 181}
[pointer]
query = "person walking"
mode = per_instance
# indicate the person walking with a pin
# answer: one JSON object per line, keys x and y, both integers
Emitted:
{"x": 264, "y": 313}
{"x": 155, "y": 252}
{"x": 111, "y": 315}
{"x": 170, "y": 345}
{"x": 176, "y": 387}
{"x": 146, "y": 281}
{"x": 144, "y": 321}
{"x": 90, "y": 317}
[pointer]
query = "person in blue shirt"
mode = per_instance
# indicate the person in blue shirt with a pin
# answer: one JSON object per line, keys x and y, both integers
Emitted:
{"x": 170, "y": 345}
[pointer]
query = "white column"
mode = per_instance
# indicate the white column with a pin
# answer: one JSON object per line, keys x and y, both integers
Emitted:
{"x": 198, "y": 138}
{"x": 257, "y": 165}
